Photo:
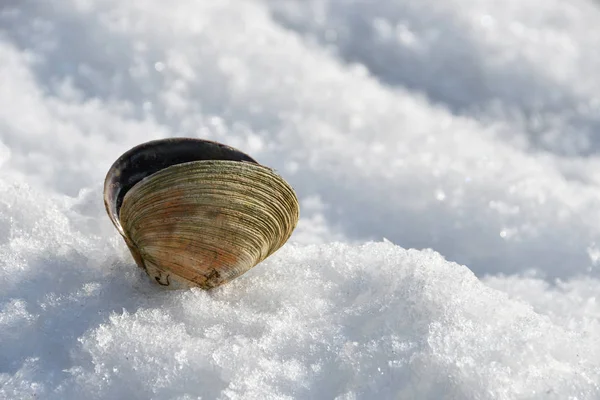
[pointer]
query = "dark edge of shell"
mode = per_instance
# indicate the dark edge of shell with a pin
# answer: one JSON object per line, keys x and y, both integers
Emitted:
{"x": 151, "y": 157}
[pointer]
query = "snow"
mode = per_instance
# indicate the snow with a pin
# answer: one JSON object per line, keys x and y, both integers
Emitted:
{"x": 446, "y": 159}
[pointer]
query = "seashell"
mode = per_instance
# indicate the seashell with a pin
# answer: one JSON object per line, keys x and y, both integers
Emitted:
{"x": 198, "y": 213}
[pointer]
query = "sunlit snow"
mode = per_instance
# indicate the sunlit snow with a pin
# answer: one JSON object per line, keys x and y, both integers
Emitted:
{"x": 446, "y": 156}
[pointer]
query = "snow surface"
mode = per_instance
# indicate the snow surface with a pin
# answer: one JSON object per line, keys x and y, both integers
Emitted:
{"x": 466, "y": 133}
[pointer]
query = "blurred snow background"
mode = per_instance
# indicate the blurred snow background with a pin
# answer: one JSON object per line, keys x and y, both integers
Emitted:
{"x": 467, "y": 131}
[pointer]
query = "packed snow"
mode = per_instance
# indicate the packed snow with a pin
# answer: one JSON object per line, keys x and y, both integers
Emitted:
{"x": 446, "y": 157}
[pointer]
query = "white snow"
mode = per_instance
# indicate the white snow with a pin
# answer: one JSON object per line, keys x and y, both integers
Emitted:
{"x": 446, "y": 155}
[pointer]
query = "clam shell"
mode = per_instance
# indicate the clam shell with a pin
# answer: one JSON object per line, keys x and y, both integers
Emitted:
{"x": 199, "y": 220}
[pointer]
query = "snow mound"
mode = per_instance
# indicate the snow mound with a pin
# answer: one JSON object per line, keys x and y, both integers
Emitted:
{"x": 329, "y": 321}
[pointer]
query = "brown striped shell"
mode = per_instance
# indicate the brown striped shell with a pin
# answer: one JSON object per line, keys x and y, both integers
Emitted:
{"x": 198, "y": 213}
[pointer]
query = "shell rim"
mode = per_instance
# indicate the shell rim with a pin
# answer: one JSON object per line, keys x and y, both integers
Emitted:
{"x": 113, "y": 183}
